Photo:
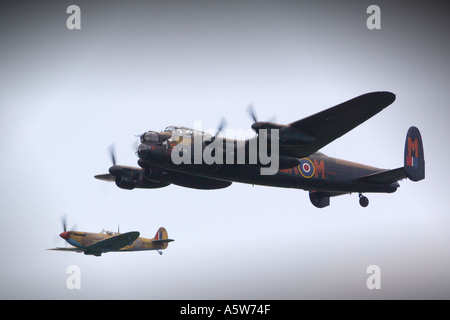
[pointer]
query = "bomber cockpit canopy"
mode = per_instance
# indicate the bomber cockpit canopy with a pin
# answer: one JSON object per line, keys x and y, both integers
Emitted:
{"x": 185, "y": 132}
{"x": 172, "y": 134}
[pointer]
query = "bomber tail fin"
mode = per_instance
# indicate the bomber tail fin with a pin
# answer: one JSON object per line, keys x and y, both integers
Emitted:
{"x": 414, "y": 164}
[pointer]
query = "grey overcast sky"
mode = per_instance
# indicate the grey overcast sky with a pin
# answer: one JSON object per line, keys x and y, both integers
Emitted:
{"x": 67, "y": 95}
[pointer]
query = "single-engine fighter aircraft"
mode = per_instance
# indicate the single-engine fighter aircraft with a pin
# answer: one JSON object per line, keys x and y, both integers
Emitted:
{"x": 195, "y": 159}
{"x": 108, "y": 241}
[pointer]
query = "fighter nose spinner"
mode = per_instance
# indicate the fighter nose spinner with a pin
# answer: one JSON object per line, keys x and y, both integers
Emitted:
{"x": 65, "y": 235}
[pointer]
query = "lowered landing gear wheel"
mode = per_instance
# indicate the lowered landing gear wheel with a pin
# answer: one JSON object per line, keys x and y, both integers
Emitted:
{"x": 363, "y": 201}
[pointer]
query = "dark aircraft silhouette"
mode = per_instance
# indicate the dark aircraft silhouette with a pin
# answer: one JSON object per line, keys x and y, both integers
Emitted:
{"x": 195, "y": 159}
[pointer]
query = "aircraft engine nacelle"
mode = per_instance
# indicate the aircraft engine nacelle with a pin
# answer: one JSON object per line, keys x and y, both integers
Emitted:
{"x": 124, "y": 184}
{"x": 266, "y": 125}
{"x": 126, "y": 177}
{"x": 319, "y": 199}
{"x": 153, "y": 137}
{"x": 130, "y": 178}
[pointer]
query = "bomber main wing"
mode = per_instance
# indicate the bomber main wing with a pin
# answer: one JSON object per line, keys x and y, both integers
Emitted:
{"x": 328, "y": 125}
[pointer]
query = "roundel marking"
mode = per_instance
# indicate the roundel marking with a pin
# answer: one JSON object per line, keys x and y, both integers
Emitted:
{"x": 306, "y": 168}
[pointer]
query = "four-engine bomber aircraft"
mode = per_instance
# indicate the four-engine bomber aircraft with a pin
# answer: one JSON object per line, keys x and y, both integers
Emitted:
{"x": 300, "y": 164}
{"x": 108, "y": 241}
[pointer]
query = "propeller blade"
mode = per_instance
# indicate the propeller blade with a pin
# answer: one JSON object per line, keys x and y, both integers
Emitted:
{"x": 222, "y": 125}
{"x": 113, "y": 156}
{"x": 64, "y": 223}
{"x": 252, "y": 113}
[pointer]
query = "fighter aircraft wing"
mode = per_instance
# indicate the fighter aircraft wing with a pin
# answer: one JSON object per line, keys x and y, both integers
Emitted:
{"x": 66, "y": 249}
{"x": 328, "y": 125}
{"x": 114, "y": 243}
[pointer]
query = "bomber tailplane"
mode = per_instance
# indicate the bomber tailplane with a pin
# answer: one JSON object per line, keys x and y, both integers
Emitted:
{"x": 414, "y": 163}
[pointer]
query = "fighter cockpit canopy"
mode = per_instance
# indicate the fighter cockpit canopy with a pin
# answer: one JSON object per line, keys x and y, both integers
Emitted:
{"x": 109, "y": 233}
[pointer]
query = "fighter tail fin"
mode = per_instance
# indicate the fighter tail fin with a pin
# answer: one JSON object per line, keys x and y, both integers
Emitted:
{"x": 414, "y": 165}
{"x": 161, "y": 234}
{"x": 162, "y": 238}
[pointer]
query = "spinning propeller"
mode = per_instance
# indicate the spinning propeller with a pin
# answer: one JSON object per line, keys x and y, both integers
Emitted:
{"x": 113, "y": 156}
{"x": 124, "y": 176}
{"x": 251, "y": 111}
{"x": 65, "y": 234}
{"x": 115, "y": 170}
{"x": 260, "y": 124}
{"x": 221, "y": 126}
{"x": 255, "y": 126}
